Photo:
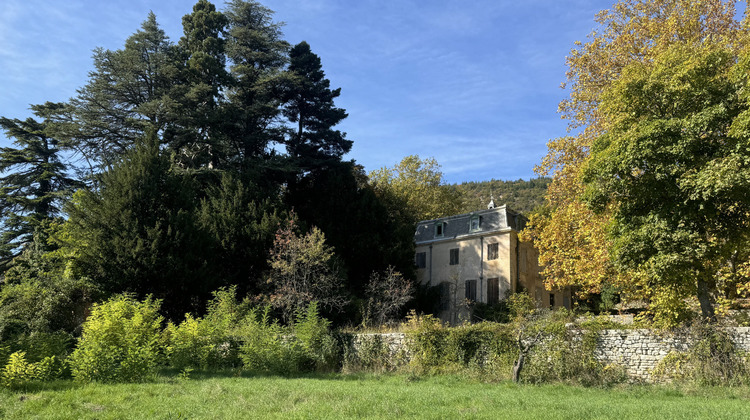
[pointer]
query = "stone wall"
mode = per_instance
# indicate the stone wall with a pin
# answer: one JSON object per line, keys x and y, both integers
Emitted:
{"x": 637, "y": 350}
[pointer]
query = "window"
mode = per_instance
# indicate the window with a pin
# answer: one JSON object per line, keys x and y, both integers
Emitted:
{"x": 454, "y": 256}
{"x": 491, "y": 251}
{"x": 493, "y": 291}
{"x": 551, "y": 300}
{"x": 475, "y": 223}
{"x": 445, "y": 296}
{"x": 439, "y": 229}
{"x": 471, "y": 290}
{"x": 421, "y": 260}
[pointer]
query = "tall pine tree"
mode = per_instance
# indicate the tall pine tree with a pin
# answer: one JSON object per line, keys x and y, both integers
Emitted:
{"x": 201, "y": 142}
{"x": 313, "y": 142}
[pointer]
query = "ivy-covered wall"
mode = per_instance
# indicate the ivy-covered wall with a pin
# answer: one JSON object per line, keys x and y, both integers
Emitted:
{"x": 638, "y": 351}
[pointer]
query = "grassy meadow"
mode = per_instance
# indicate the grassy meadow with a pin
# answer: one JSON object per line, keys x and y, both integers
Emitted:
{"x": 365, "y": 396}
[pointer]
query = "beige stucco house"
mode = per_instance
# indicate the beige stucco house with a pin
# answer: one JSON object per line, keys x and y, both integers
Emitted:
{"x": 477, "y": 257}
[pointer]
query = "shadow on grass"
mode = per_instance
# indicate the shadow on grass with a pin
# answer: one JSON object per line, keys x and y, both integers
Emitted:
{"x": 39, "y": 386}
{"x": 170, "y": 374}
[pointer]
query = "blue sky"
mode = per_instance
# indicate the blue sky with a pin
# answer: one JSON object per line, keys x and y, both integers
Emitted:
{"x": 474, "y": 84}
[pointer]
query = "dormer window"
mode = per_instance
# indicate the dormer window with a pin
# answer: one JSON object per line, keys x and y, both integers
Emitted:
{"x": 475, "y": 223}
{"x": 439, "y": 229}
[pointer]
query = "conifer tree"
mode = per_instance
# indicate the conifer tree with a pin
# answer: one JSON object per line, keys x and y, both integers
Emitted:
{"x": 257, "y": 54}
{"x": 130, "y": 91}
{"x": 34, "y": 184}
{"x": 138, "y": 233}
{"x": 314, "y": 142}
{"x": 201, "y": 142}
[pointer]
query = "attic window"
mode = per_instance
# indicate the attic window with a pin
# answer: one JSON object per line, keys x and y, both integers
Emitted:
{"x": 475, "y": 223}
{"x": 439, "y": 229}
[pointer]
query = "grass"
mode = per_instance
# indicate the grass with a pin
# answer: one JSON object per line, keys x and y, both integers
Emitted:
{"x": 365, "y": 396}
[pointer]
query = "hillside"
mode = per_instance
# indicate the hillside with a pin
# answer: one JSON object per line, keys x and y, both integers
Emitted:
{"x": 521, "y": 195}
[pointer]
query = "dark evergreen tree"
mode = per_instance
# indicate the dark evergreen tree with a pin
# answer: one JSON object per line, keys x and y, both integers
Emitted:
{"x": 129, "y": 93}
{"x": 200, "y": 141}
{"x": 241, "y": 226}
{"x": 138, "y": 233}
{"x": 258, "y": 55}
{"x": 34, "y": 183}
{"x": 313, "y": 142}
{"x": 340, "y": 202}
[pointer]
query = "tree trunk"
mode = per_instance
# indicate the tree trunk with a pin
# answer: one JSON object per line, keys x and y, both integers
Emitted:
{"x": 518, "y": 366}
{"x": 704, "y": 297}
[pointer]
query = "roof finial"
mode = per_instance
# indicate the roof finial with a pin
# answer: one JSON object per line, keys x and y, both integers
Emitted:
{"x": 492, "y": 202}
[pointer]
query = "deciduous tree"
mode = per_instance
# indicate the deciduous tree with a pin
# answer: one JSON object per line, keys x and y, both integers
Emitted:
{"x": 388, "y": 293}
{"x": 573, "y": 248}
{"x": 414, "y": 190}
{"x": 304, "y": 269}
{"x": 675, "y": 168}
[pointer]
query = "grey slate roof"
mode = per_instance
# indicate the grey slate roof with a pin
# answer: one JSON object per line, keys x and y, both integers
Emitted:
{"x": 491, "y": 220}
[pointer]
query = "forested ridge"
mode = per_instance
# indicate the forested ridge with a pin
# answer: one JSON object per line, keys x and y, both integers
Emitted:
{"x": 520, "y": 195}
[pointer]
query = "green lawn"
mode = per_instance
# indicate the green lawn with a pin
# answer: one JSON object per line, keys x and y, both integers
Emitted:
{"x": 391, "y": 397}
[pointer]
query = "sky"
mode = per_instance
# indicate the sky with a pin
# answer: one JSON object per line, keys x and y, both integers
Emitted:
{"x": 474, "y": 84}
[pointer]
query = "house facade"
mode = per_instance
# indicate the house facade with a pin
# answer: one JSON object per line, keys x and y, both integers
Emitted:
{"x": 478, "y": 257}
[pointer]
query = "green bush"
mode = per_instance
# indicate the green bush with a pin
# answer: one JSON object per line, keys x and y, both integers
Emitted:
{"x": 120, "y": 341}
{"x": 557, "y": 351}
{"x": 40, "y": 345}
{"x": 520, "y": 305}
{"x": 211, "y": 342}
{"x": 565, "y": 353}
{"x": 427, "y": 337}
{"x": 18, "y": 371}
{"x": 485, "y": 350}
{"x": 191, "y": 344}
{"x": 498, "y": 312}
{"x": 268, "y": 347}
{"x": 321, "y": 350}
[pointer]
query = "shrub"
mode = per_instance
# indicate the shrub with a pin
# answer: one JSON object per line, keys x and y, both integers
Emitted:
{"x": 321, "y": 351}
{"x": 40, "y": 345}
{"x": 191, "y": 344}
{"x": 564, "y": 353}
{"x": 267, "y": 346}
{"x": 485, "y": 350}
{"x": 428, "y": 342}
{"x": 212, "y": 341}
{"x": 120, "y": 341}
{"x": 520, "y": 305}
{"x": 491, "y": 313}
{"x": 18, "y": 371}
{"x": 388, "y": 292}
{"x": 712, "y": 359}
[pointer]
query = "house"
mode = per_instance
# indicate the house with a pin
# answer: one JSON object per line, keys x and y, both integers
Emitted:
{"x": 478, "y": 257}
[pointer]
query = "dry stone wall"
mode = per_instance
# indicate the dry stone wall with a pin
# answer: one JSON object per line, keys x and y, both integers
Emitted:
{"x": 637, "y": 350}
